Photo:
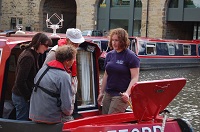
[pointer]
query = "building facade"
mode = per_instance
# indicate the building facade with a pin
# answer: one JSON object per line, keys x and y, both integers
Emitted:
{"x": 171, "y": 19}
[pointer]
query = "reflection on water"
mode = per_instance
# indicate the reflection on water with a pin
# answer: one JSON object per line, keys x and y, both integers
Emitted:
{"x": 186, "y": 105}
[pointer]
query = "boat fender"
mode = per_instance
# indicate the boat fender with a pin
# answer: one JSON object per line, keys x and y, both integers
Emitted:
{"x": 185, "y": 126}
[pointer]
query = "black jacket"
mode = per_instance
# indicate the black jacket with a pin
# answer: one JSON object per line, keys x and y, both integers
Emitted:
{"x": 27, "y": 68}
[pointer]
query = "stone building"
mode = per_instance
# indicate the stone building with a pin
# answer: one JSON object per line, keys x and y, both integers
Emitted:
{"x": 173, "y": 19}
{"x": 32, "y": 14}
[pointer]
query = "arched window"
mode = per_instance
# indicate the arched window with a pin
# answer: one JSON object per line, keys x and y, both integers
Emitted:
{"x": 192, "y": 3}
{"x": 173, "y": 4}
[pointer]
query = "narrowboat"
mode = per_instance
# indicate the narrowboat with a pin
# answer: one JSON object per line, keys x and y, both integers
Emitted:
{"x": 163, "y": 53}
{"x": 102, "y": 42}
{"x": 146, "y": 112}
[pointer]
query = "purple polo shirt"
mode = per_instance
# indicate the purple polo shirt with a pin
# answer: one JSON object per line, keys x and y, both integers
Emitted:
{"x": 117, "y": 66}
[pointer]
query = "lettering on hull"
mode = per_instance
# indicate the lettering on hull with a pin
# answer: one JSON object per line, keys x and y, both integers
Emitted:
{"x": 142, "y": 129}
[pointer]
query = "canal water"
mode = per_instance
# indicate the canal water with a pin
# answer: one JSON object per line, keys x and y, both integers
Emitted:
{"x": 186, "y": 104}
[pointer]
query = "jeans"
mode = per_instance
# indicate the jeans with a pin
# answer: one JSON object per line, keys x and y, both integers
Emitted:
{"x": 22, "y": 107}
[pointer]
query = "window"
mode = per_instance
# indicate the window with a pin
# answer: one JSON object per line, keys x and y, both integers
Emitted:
{"x": 186, "y": 49}
{"x": 137, "y": 28}
{"x": 120, "y": 2}
{"x": 191, "y": 3}
{"x": 151, "y": 49}
{"x": 97, "y": 33}
{"x": 86, "y": 84}
{"x": 104, "y": 45}
{"x": 173, "y": 4}
{"x": 161, "y": 48}
{"x": 171, "y": 49}
{"x": 196, "y": 31}
{"x": 92, "y": 33}
{"x": 132, "y": 45}
{"x": 114, "y": 23}
{"x": 141, "y": 47}
{"x": 15, "y": 21}
{"x": 199, "y": 49}
{"x": 103, "y": 3}
{"x": 138, "y": 3}
{"x": 98, "y": 43}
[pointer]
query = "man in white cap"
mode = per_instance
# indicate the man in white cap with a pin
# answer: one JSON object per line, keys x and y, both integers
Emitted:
{"x": 73, "y": 37}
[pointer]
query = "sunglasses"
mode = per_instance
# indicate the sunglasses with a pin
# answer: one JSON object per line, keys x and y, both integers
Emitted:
{"x": 46, "y": 45}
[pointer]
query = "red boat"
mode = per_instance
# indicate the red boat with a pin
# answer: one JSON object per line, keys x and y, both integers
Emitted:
{"x": 163, "y": 53}
{"x": 146, "y": 113}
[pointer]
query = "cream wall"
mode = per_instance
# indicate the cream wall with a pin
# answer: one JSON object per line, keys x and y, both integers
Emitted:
{"x": 86, "y": 14}
{"x": 156, "y": 19}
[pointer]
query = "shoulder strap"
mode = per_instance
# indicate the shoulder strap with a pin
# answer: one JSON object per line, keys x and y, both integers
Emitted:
{"x": 49, "y": 92}
{"x": 40, "y": 78}
{"x": 52, "y": 94}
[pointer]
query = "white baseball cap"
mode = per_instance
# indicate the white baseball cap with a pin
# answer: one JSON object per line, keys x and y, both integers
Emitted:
{"x": 75, "y": 35}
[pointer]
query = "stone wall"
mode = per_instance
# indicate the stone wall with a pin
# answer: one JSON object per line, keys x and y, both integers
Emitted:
{"x": 33, "y": 13}
{"x": 19, "y": 9}
{"x": 155, "y": 22}
{"x": 86, "y": 14}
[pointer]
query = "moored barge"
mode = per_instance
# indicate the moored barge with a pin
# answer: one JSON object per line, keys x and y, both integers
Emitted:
{"x": 149, "y": 99}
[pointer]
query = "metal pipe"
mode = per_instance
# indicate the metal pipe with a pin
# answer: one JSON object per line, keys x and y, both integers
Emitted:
{"x": 165, "y": 113}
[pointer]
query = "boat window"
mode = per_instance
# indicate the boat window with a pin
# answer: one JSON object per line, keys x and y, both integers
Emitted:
{"x": 186, "y": 49}
{"x": 199, "y": 49}
{"x": 1, "y": 50}
{"x": 141, "y": 47}
{"x": 132, "y": 45}
{"x": 151, "y": 49}
{"x": 86, "y": 84}
{"x": 161, "y": 48}
{"x": 98, "y": 43}
{"x": 171, "y": 49}
{"x": 104, "y": 45}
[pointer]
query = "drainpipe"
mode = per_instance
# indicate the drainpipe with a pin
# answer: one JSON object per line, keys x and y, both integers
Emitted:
{"x": 147, "y": 18}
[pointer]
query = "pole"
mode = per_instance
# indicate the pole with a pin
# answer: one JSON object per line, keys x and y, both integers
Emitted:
{"x": 165, "y": 113}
